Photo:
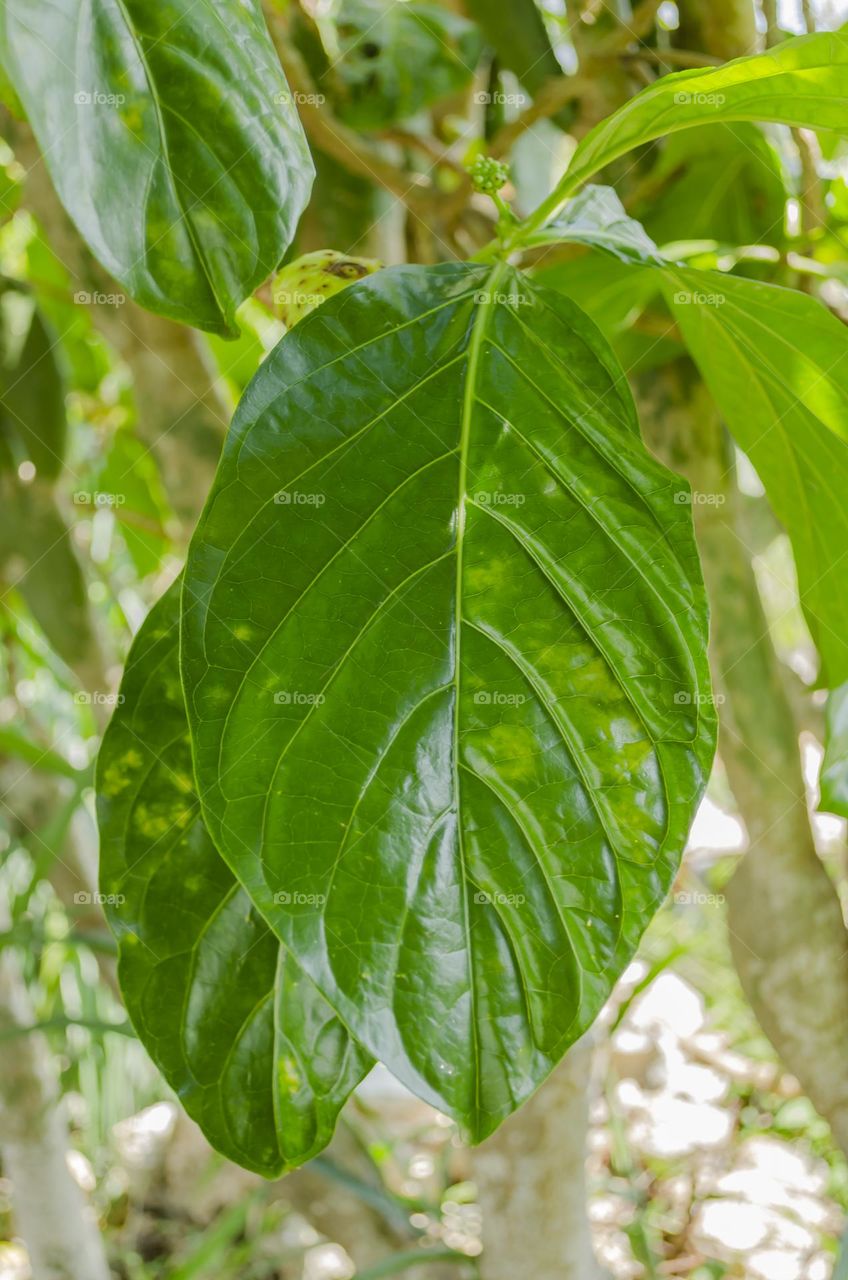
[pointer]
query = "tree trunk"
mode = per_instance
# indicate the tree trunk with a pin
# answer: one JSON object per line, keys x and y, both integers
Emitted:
{"x": 787, "y": 932}
{"x": 51, "y": 1216}
{"x": 531, "y": 1183}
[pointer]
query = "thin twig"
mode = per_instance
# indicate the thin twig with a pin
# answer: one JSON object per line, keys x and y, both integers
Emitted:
{"x": 551, "y": 98}
{"x": 674, "y": 57}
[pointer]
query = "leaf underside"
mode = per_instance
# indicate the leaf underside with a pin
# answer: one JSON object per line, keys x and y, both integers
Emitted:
{"x": 444, "y": 652}
{"x": 255, "y": 1054}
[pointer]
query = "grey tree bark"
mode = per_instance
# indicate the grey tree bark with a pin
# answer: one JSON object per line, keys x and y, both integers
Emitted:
{"x": 531, "y": 1182}
{"x": 51, "y": 1215}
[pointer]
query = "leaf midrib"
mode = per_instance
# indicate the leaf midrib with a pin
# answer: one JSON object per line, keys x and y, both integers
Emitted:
{"x": 475, "y": 348}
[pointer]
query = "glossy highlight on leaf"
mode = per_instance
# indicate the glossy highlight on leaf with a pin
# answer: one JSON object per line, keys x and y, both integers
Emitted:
{"x": 444, "y": 652}
{"x": 255, "y": 1054}
{"x": 172, "y": 140}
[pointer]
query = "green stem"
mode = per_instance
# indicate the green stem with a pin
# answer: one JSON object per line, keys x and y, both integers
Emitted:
{"x": 52, "y": 1024}
{"x": 406, "y": 1261}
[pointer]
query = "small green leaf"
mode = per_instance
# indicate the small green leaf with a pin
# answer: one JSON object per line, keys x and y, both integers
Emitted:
{"x": 172, "y": 139}
{"x": 444, "y": 651}
{"x": 38, "y": 559}
{"x": 516, "y": 32}
{"x": 596, "y": 217}
{"x": 255, "y": 1054}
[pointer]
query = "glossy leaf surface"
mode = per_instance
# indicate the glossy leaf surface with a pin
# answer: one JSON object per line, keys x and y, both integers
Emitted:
{"x": 801, "y": 82}
{"x": 776, "y": 362}
{"x": 444, "y": 643}
{"x": 255, "y": 1054}
{"x": 172, "y": 139}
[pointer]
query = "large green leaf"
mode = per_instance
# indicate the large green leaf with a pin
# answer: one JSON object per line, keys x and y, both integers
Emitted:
{"x": 255, "y": 1054}
{"x": 776, "y": 362}
{"x": 802, "y": 82}
{"x": 444, "y": 650}
{"x": 172, "y": 139}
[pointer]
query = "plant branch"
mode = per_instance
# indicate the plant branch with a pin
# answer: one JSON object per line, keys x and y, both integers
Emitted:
{"x": 639, "y": 25}
{"x": 347, "y": 146}
{"x": 673, "y": 57}
{"x": 552, "y": 97}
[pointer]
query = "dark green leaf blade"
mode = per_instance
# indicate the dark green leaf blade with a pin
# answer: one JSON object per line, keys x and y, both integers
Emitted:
{"x": 776, "y": 362}
{"x": 444, "y": 652}
{"x": 172, "y": 140}
{"x": 255, "y": 1054}
{"x": 516, "y": 32}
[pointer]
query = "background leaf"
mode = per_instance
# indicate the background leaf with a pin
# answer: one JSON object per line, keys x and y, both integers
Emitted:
{"x": 800, "y": 82}
{"x": 516, "y": 31}
{"x": 255, "y": 1054}
{"x": 172, "y": 139}
{"x": 33, "y": 424}
{"x": 723, "y": 182}
{"x": 393, "y": 59}
{"x": 786, "y": 404}
{"x": 444, "y": 654}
